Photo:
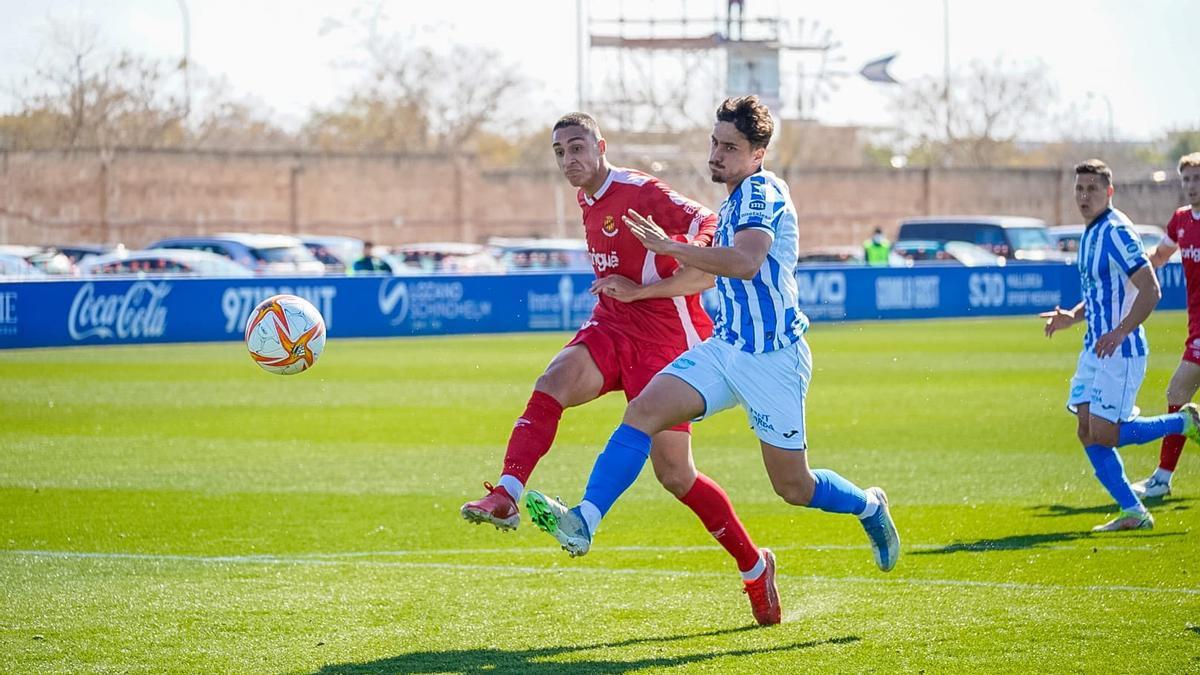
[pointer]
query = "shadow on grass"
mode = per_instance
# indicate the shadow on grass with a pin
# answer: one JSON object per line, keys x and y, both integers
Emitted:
{"x": 491, "y": 660}
{"x": 1019, "y": 542}
{"x": 1155, "y": 503}
{"x": 1194, "y": 629}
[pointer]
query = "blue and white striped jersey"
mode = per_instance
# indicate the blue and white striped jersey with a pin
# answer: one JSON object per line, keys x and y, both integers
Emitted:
{"x": 761, "y": 314}
{"x": 1109, "y": 253}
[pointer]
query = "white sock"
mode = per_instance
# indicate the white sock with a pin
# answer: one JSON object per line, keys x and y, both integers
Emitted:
{"x": 512, "y": 486}
{"x": 755, "y": 572}
{"x": 872, "y": 506}
{"x": 1140, "y": 508}
{"x": 591, "y": 515}
{"x": 1162, "y": 475}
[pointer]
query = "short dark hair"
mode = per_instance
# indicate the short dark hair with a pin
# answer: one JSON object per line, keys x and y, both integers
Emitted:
{"x": 578, "y": 119}
{"x": 1094, "y": 167}
{"x": 750, "y": 116}
{"x": 1190, "y": 160}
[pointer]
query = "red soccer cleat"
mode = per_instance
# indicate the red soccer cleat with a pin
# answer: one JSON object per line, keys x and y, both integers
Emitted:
{"x": 497, "y": 508}
{"x": 764, "y": 595}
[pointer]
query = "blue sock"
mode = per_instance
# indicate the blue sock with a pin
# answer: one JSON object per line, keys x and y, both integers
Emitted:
{"x": 1110, "y": 470}
{"x": 836, "y": 494}
{"x": 1145, "y": 429}
{"x": 617, "y": 467}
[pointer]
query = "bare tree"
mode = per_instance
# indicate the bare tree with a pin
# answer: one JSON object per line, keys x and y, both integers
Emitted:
{"x": 82, "y": 96}
{"x": 416, "y": 97}
{"x": 988, "y": 107}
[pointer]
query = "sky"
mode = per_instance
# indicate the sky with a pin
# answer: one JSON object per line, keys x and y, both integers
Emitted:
{"x": 1129, "y": 63}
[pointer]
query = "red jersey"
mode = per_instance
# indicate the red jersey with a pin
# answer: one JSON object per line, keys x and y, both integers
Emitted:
{"x": 679, "y": 322}
{"x": 1184, "y": 230}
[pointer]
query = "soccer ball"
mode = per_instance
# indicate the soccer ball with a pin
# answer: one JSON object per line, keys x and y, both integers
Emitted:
{"x": 285, "y": 334}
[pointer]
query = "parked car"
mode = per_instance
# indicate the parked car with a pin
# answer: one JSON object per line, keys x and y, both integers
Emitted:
{"x": 261, "y": 253}
{"x": 155, "y": 261}
{"x": 951, "y": 252}
{"x": 1066, "y": 239}
{"x": 45, "y": 258}
{"x": 77, "y": 252}
{"x": 442, "y": 256}
{"x": 542, "y": 254}
{"x": 1013, "y": 237}
{"x": 17, "y": 267}
{"x": 336, "y": 252}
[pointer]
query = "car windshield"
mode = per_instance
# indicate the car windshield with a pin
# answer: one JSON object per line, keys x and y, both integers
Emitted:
{"x": 284, "y": 254}
{"x": 1029, "y": 239}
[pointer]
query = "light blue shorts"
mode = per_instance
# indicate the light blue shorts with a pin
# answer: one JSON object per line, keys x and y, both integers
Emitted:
{"x": 1108, "y": 385}
{"x": 771, "y": 386}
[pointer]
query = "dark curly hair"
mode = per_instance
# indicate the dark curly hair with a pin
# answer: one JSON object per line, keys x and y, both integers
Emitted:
{"x": 750, "y": 116}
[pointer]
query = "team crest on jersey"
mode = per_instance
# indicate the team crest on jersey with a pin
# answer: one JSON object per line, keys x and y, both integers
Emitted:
{"x": 610, "y": 227}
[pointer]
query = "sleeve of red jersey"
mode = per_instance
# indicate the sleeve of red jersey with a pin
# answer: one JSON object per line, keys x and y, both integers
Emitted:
{"x": 1172, "y": 229}
{"x": 682, "y": 218}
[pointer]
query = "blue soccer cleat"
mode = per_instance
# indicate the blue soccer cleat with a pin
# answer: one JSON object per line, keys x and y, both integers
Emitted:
{"x": 554, "y": 518}
{"x": 881, "y": 531}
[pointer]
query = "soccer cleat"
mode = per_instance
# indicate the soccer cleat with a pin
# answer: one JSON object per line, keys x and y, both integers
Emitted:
{"x": 764, "y": 594}
{"x": 554, "y": 518}
{"x": 1127, "y": 520}
{"x": 1191, "y": 422}
{"x": 1151, "y": 487}
{"x": 497, "y": 508}
{"x": 881, "y": 531}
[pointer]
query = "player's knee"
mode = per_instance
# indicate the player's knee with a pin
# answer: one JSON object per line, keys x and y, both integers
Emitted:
{"x": 643, "y": 415}
{"x": 796, "y": 493}
{"x": 675, "y": 478}
{"x": 1084, "y": 436}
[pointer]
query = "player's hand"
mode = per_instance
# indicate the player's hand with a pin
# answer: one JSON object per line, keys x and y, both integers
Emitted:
{"x": 1057, "y": 319}
{"x": 1109, "y": 343}
{"x": 618, "y": 288}
{"x": 653, "y": 237}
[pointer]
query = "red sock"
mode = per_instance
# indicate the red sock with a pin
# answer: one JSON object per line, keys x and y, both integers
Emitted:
{"x": 532, "y": 435}
{"x": 715, "y": 510}
{"x": 1172, "y": 446}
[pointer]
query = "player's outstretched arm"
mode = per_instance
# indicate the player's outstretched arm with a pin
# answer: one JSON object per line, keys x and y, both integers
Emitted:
{"x": 742, "y": 260}
{"x": 1059, "y": 318}
{"x": 687, "y": 281}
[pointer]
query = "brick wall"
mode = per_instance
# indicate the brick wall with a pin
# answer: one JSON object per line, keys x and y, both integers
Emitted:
{"x": 138, "y": 196}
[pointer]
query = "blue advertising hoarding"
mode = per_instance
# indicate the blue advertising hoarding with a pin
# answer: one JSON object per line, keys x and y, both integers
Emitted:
{"x": 131, "y": 311}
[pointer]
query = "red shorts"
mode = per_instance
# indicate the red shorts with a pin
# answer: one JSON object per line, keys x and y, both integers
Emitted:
{"x": 627, "y": 365}
{"x": 1191, "y": 349}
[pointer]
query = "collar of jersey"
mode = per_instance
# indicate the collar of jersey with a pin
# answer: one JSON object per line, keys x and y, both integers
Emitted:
{"x": 603, "y": 188}
{"x": 760, "y": 171}
{"x": 1102, "y": 216}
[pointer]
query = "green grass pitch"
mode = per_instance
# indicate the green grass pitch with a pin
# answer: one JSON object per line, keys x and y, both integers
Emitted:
{"x": 175, "y": 509}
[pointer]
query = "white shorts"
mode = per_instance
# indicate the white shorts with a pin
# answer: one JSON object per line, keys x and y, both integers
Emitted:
{"x": 1108, "y": 385}
{"x": 771, "y": 386}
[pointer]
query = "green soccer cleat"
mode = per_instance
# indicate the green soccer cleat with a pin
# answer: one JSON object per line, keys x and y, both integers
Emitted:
{"x": 1191, "y": 422}
{"x": 1127, "y": 520}
{"x": 554, "y": 518}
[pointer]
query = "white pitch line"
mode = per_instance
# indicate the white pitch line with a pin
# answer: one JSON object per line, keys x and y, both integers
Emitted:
{"x": 516, "y": 569}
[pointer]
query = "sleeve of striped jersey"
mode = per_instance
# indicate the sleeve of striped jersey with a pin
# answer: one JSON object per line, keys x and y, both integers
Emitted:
{"x": 682, "y": 218}
{"x": 757, "y": 208}
{"x": 1128, "y": 247}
